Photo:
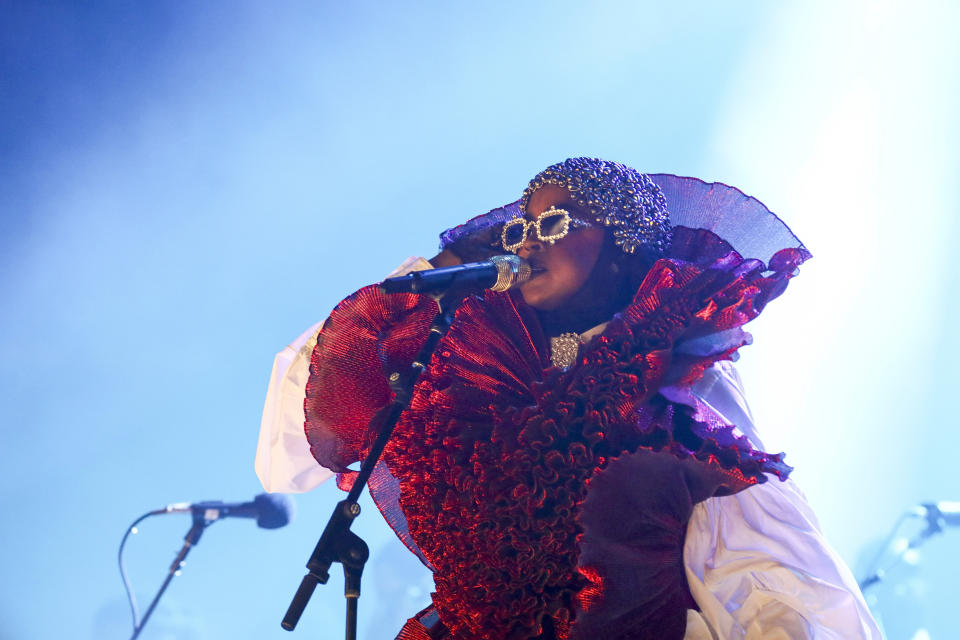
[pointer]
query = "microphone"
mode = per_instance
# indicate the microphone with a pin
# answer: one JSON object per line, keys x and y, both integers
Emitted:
{"x": 499, "y": 273}
{"x": 271, "y": 510}
{"x": 946, "y": 512}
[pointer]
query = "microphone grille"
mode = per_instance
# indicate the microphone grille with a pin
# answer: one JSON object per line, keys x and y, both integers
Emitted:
{"x": 274, "y": 510}
{"x": 511, "y": 271}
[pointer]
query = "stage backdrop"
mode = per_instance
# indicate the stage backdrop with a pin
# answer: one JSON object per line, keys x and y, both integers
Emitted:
{"x": 184, "y": 188}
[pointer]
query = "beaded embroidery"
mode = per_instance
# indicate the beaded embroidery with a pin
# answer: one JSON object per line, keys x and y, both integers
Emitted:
{"x": 616, "y": 196}
{"x": 564, "y": 349}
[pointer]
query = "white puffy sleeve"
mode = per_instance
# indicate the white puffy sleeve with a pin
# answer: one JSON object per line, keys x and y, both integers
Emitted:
{"x": 283, "y": 462}
{"x": 758, "y": 566}
{"x": 757, "y": 563}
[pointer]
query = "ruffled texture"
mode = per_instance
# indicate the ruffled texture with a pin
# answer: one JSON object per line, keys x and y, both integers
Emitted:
{"x": 495, "y": 457}
{"x": 496, "y": 453}
{"x": 366, "y": 335}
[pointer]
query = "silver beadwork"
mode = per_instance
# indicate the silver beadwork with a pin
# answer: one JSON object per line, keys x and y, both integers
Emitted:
{"x": 616, "y": 196}
{"x": 564, "y": 349}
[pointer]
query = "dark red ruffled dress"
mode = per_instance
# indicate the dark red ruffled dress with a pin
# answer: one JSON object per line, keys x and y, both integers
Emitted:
{"x": 509, "y": 477}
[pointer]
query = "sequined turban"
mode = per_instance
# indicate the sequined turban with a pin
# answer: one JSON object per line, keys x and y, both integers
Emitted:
{"x": 615, "y": 196}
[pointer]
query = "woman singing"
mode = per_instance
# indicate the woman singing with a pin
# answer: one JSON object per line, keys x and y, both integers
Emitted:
{"x": 578, "y": 460}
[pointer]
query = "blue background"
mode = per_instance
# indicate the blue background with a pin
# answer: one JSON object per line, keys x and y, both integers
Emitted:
{"x": 186, "y": 187}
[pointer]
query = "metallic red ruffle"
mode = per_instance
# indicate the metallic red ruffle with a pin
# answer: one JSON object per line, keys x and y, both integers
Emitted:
{"x": 496, "y": 454}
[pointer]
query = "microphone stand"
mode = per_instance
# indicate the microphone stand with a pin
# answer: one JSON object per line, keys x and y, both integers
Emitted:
{"x": 190, "y": 540}
{"x": 337, "y": 543}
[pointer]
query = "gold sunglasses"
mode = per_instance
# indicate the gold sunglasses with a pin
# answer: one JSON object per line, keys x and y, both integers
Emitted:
{"x": 551, "y": 225}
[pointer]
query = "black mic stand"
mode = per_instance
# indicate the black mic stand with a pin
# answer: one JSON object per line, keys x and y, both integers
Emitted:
{"x": 337, "y": 543}
{"x": 200, "y": 523}
{"x": 934, "y": 525}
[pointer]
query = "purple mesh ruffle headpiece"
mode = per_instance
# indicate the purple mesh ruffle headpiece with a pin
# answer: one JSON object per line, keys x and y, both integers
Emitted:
{"x": 667, "y": 200}
{"x": 745, "y": 223}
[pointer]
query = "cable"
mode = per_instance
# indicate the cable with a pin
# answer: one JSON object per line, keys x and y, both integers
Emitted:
{"x": 123, "y": 572}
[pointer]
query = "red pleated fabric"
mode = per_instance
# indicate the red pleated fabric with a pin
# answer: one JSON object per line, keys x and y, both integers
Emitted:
{"x": 518, "y": 481}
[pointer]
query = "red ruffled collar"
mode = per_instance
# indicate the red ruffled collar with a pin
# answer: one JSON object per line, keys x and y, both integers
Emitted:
{"x": 493, "y": 461}
{"x": 496, "y": 453}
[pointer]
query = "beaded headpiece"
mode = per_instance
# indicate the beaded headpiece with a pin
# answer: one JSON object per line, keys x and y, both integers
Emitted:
{"x": 614, "y": 195}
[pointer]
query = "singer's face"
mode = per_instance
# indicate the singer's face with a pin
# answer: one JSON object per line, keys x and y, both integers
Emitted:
{"x": 559, "y": 269}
